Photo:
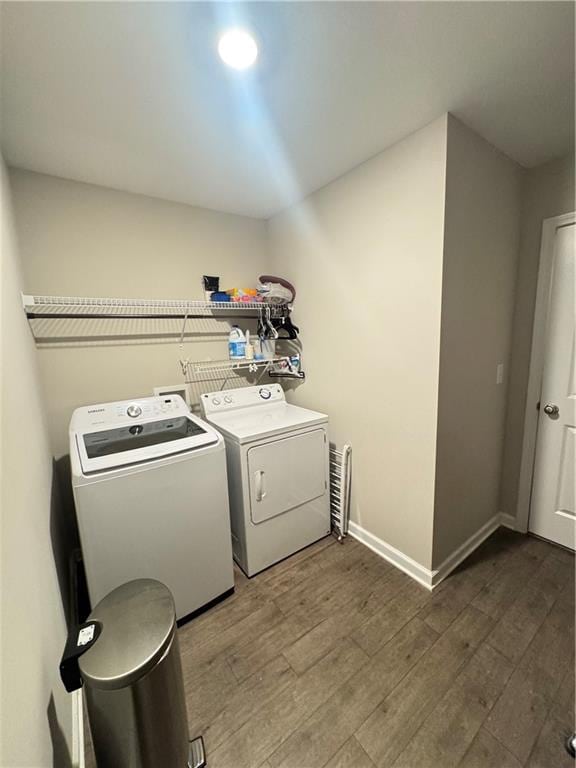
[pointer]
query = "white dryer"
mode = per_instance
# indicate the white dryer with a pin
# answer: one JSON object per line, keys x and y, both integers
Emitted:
{"x": 150, "y": 489}
{"x": 278, "y": 475}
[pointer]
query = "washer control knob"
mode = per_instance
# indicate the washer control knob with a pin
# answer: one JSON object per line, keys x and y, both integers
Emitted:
{"x": 227, "y": 399}
{"x": 215, "y": 401}
{"x": 133, "y": 410}
{"x": 265, "y": 393}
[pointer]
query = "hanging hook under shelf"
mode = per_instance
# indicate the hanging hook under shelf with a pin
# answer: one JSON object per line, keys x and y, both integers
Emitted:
{"x": 287, "y": 375}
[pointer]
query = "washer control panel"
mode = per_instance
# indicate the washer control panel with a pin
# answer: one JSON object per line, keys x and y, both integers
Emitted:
{"x": 150, "y": 406}
{"x": 245, "y": 397}
{"x": 130, "y": 410}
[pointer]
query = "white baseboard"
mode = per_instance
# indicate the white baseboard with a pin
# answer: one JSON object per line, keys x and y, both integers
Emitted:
{"x": 392, "y": 555}
{"x": 466, "y": 549}
{"x": 78, "y": 729}
{"x": 508, "y": 521}
{"x": 429, "y": 578}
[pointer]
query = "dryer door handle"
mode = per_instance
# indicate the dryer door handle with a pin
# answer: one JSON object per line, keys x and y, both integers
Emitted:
{"x": 259, "y": 477}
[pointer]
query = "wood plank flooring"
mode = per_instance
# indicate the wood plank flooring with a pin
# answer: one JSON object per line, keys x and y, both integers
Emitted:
{"x": 334, "y": 658}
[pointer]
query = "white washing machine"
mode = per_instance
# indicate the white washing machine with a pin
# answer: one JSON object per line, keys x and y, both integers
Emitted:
{"x": 278, "y": 478}
{"x": 151, "y": 498}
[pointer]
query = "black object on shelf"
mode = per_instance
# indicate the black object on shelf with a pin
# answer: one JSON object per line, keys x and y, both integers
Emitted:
{"x": 287, "y": 375}
{"x": 210, "y": 283}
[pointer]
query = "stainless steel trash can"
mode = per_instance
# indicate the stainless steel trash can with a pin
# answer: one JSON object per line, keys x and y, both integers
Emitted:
{"x": 133, "y": 681}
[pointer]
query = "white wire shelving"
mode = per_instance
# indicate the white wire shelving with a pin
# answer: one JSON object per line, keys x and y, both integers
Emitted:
{"x": 199, "y": 367}
{"x": 68, "y": 307}
{"x": 199, "y": 370}
{"x": 63, "y": 321}
{"x": 209, "y": 375}
{"x": 79, "y": 320}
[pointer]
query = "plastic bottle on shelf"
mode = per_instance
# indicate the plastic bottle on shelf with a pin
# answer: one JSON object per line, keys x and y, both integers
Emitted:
{"x": 249, "y": 347}
{"x": 268, "y": 347}
{"x": 257, "y": 349}
{"x": 236, "y": 344}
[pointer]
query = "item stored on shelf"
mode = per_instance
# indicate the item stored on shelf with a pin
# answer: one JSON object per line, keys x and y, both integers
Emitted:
{"x": 220, "y": 296}
{"x": 276, "y": 289}
{"x": 211, "y": 284}
{"x": 236, "y": 343}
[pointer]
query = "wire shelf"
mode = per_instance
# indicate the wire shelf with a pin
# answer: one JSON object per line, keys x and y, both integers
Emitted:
{"x": 37, "y": 306}
{"x": 195, "y": 368}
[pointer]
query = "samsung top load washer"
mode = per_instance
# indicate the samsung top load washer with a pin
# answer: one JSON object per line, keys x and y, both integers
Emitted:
{"x": 278, "y": 479}
{"x": 150, "y": 488}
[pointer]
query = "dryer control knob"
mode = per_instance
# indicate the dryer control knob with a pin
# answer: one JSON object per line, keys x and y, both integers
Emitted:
{"x": 215, "y": 401}
{"x": 227, "y": 399}
{"x": 133, "y": 411}
{"x": 265, "y": 393}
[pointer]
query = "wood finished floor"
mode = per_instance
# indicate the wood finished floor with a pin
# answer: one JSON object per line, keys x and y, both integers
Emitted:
{"x": 335, "y": 658}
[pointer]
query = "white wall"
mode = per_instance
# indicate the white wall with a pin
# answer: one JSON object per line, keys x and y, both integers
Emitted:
{"x": 365, "y": 254}
{"x": 83, "y": 240}
{"x": 547, "y": 191}
{"x": 481, "y": 236}
{"x": 35, "y": 710}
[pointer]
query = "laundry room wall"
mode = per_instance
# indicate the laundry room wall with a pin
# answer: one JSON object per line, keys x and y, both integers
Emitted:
{"x": 481, "y": 239}
{"x": 365, "y": 255}
{"x": 547, "y": 191}
{"x": 84, "y": 240}
{"x": 36, "y": 711}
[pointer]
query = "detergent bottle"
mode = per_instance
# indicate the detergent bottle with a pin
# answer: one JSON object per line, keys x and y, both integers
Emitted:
{"x": 236, "y": 343}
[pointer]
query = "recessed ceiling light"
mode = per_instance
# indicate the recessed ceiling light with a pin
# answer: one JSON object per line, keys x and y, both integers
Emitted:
{"x": 238, "y": 49}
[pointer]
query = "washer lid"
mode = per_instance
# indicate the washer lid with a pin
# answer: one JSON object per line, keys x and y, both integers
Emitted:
{"x": 248, "y": 424}
{"x": 138, "y": 623}
{"x": 104, "y": 449}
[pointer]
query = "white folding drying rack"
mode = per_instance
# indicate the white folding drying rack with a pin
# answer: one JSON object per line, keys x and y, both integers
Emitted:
{"x": 340, "y": 484}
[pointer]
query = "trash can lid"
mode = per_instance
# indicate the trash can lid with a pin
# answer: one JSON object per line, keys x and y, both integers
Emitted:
{"x": 138, "y": 622}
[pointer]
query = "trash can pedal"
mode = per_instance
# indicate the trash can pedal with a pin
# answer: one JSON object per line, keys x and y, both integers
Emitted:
{"x": 197, "y": 757}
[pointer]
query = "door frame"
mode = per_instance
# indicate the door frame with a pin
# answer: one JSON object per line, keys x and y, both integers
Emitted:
{"x": 537, "y": 353}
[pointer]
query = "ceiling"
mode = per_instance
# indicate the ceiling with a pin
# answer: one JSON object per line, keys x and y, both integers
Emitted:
{"x": 132, "y": 95}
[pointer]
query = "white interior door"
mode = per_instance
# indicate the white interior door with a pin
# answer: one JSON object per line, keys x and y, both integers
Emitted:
{"x": 553, "y": 505}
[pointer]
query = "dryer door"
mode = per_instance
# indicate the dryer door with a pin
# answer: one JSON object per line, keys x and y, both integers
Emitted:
{"x": 286, "y": 473}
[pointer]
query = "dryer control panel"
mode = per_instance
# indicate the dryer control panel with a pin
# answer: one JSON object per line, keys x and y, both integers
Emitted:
{"x": 244, "y": 397}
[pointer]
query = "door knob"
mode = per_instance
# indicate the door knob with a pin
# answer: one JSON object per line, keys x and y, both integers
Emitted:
{"x": 551, "y": 409}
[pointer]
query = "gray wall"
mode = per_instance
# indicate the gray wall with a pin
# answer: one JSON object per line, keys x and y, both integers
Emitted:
{"x": 36, "y": 711}
{"x": 417, "y": 234}
{"x": 83, "y": 240}
{"x": 481, "y": 236}
{"x": 365, "y": 253}
{"x": 547, "y": 191}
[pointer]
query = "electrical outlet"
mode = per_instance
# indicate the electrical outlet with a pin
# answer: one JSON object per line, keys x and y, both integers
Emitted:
{"x": 500, "y": 373}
